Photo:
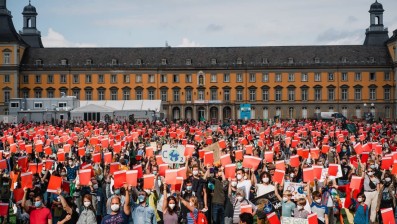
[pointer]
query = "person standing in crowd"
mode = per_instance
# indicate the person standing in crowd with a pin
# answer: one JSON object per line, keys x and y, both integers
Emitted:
{"x": 38, "y": 213}
{"x": 88, "y": 214}
{"x": 217, "y": 179}
{"x": 120, "y": 214}
{"x": 142, "y": 212}
{"x": 170, "y": 208}
{"x": 371, "y": 189}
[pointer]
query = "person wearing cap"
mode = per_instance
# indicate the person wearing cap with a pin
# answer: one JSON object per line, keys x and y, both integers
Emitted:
{"x": 241, "y": 200}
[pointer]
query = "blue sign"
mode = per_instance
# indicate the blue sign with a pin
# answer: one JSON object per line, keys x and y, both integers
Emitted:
{"x": 245, "y": 111}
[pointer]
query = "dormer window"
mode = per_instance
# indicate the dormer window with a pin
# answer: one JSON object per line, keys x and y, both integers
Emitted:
{"x": 290, "y": 60}
{"x": 239, "y": 61}
{"x": 88, "y": 62}
{"x": 265, "y": 61}
{"x": 139, "y": 61}
{"x": 188, "y": 61}
{"x": 213, "y": 61}
{"x": 316, "y": 60}
{"x": 39, "y": 62}
{"x": 114, "y": 61}
{"x": 371, "y": 59}
{"x": 163, "y": 61}
{"x": 344, "y": 60}
{"x": 64, "y": 62}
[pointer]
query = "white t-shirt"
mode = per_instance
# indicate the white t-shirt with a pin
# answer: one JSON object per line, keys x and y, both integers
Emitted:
{"x": 246, "y": 186}
{"x": 264, "y": 189}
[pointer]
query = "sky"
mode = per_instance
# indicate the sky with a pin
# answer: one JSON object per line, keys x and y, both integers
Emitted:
{"x": 202, "y": 23}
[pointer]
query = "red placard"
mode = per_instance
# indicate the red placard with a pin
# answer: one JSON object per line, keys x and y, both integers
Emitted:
{"x": 114, "y": 167}
{"x": 280, "y": 165}
{"x": 107, "y": 157}
{"x": 225, "y": 160}
{"x": 208, "y": 158}
{"x": 230, "y": 171}
{"x": 312, "y": 219}
{"x": 54, "y": 184}
{"x": 246, "y": 209}
{"x": 182, "y": 172}
{"x": 27, "y": 180}
{"x": 251, "y": 162}
{"x": 84, "y": 177}
{"x": 222, "y": 144}
{"x": 356, "y": 182}
{"x": 386, "y": 163}
{"x": 238, "y": 154}
{"x": 269, "y": 156}
{"x": 278, "y": 176}
{"x": 139, "y": 169}
{"x": 333, "y": 169}
{"x": 18, "y": 195}
{"x": 132, "y": 177}
{"x": 4, "y": 209}
{"x": 170, "y": 176}
{"x": 120, "y": 178}
{"x": 294, "y": 161}
{"x": 148, "y": 181}
{"x": 308, "y": 175}
{"x": 317, "y": 171}
{"x": 48, "y": 164}
{"x": 273, "y": 218}
{"x": 162, "y": 169}
{"x": 388, "y": 216}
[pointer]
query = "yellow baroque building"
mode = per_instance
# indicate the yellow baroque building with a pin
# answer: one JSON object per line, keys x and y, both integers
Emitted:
{"x": 212, "y": 83}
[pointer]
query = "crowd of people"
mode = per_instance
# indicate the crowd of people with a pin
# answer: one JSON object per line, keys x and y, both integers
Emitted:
{"x": 305, "y": 171}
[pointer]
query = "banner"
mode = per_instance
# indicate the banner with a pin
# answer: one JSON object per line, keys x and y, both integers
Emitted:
{"x": 290, "y": 220}
{"x": 267, "y": 203}
{"x": 217, "y": 151}
{"x": 173, "y": 154}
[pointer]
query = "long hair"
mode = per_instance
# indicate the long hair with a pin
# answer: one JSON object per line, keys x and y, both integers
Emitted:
{"x": 91, "y": 207}
{"x": 172, "y": 211}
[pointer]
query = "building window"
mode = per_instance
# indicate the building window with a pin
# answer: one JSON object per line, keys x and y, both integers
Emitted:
{"x": 138, "y": 93}
{"x": 163, "y": 78}
{"x": 201, "y": 94}
{"x": 252, "y": 77}
{"x": 345, "y": 94}
{"x": 101, "y": 78}
{"x": 38, "y": 79}
{"x": 25, "y": 79}
{"x": 175, "y": 78}
{"x": 164, "y": 95}
{"x": 138, "y": 61}
{"x": 357, "y": 93}
{"x": 331, "y": 94}
{"x": 37, "y": 93}
{"x": 265, "y": 95}
{"x": 226, "y": 95}
{"x": 25, "y": 94}
{"x": 62, "y": 104}
{"x": 63, "y": 78}
{"x": 39, "y": 62}
{"x": 330, "y": 109}
{"x": 88, "y": 62}
{"x": 265, "y": 77}
{"x": 50, "y": 79}
{"x": 344, "y": 76}
{"x": 317, "y": 77}
{"x": 304, "y": 94}
{"x": 163, "y": 61}
{"x": 239, "y": 77}
{"x": 304, "y": 112}
{"x": 239, "y": 61}
{"x": 291, "y": 113}
{"x": 226, "y": 77}
{"x": 50, "y": 93}
{"x": 126, "y": 94}
{"x": 387, "y": 76}
{"x": 290, "y": 60}
{"x": 291, "y": 77}
{"x": 291, "y": 94}
{"x": 239, "y": 95}
{"x": 176, "y": 95}
{"x": 265, "y": 113}
{"x": 151, "y": 94}
{"x": 188, "y": 95}
{"x": 372, "y": 76}
{"x": 357, "y": 76}
{"x": 317, "y": 110}
{"x": 201, "y": 79}
{"x": 88, "y": 78}
{"x": 6, "y": 96}
{"x": 278, "y": 95}
{"x": 330, "y": 76}
{"x": 317, "y": 94}
{"x": 386, "y": 94}
{"x": 76, "y": 93}
{"x": 213, "y": 77}
{"x": 151, "y": 78}
{"x": 372, "y": 94}
{"x": 126, "y": 78}
{"x": 387, "y": 112}
{"x": 38, "y": 105}
{"x": 88, "y": 94}
{"x": 14, "y": 104}
{"x": 7, "y": 78}
{"x": 213, "y": 61}
{"x": 344, "y": 111}
{"x": 113, "y": 78}
{"x": 278, "y": 77}
{"x": 101, "y": 94}
{"x": 64, "y": 62}
{"x": 188, "y": 61}
{"x": 358, "y": 112}
{"x": 114, "y": 61}
{"x": 75, "y": 78}
{"x": 188, "y": 78}
{"x": 278, "y": 112}
{"x": 214, "y": 94}
{"x": 304, "y": 77}
{"x": 6, "y": 58}
{"x": 252, "y": 94}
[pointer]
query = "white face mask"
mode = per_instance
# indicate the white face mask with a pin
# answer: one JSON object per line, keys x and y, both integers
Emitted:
{"x": 245, "y": 177}
{"x": 87, "y": 203}
{"x": 300, "y": 207}
{"x": 239, "y": 176}
{"x": 239, "y": 198}
{"x": 292, "y": 175}
{"x": 265, "y": 180}
{"x": 234, "y": 183}
{"x": 195, "y": 172}
{"x": 147, "y": 191}
{"x": 115, "y": 207}
{"x": 285, "y": 199}
{"x": 172, "y": 206}
{"x": 191, "y": 204}
{"x": 370, "y": 173}
{"x": 318, "y": 201}
{"x": 359, "y": 199}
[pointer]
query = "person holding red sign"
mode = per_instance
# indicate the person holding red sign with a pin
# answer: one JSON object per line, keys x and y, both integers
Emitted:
{"x": 39, "y": 214}
{"x": 120, "y": 214}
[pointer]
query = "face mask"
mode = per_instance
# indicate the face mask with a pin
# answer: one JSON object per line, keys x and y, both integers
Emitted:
{"x": 95, "y": 186}
{"x": 372, "y": 166}
{"x": 43, "y": 171}
{"x": 285, "y": 199}
{"x": 141, "y": 198}
{"x": 70, "y": 163}
{"x": 343, "y": 163}
{"x": 300, "y": 207}
{"x": 172, "y": 206}
{"x": 147, "y": 191}
{"x": 292, "y": 175}
{"x": 191, "y": 204}
{"x": 117, "y": 191}
{"x": 239, "y": 176}
{"x": 332, "y": 150}
{"x": 239, "y": 198}
{"x": 189, "y": 188}
{"x": 63, "y": 174}
{"x": 387, "y": 179}
{"x": 246, "y": 170}
{"x": 318, "y": 201}
{"x": 195, "y": 172}
{"x": 344, "y": 150}
{"x": 87, "y": 203}
{"x": 115, "y": 207}
{"x": 359, "y": 199}
{"x": 370, "y": 173}
{"x": 37, "y": 204}
{"x": 234, "y": 183}
{"x": 155, "y": 172}
{"x": 265, "y": 180}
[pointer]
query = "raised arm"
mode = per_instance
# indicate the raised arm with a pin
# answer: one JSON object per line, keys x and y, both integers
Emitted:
{"x": 26, "y": 208}
{"x": 127, "y": 206}
{"x": 309, "y": 196}
{"x": 165, "y": 199}
{"x": 276, "y": 192}
{"x": 64, "y": 203}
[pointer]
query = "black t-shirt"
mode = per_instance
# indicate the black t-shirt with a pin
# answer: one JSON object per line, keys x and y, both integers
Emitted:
{"x": 345, "y": 172}
{"x": 197, "y": 188}
{"x": 73, "y": 219}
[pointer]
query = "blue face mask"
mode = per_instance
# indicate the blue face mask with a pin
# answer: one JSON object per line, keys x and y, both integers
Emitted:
{"x": 189, "y": 188}
{"x": 37, "y": 204}
{"x": 117, "y": 191}
{"x": 141, "y": 198}
{"x": 211, "y": 186}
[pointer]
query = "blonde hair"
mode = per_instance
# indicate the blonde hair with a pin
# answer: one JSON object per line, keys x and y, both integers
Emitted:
{"x": 194, "y": 200}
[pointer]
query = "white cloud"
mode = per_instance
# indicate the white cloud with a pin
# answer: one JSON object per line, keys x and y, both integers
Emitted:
{"x": 55, "y": 39}
{"x": 189, "y": 43}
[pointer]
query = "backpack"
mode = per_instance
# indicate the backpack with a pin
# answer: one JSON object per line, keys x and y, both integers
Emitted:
{"x": 201, "y": 218}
